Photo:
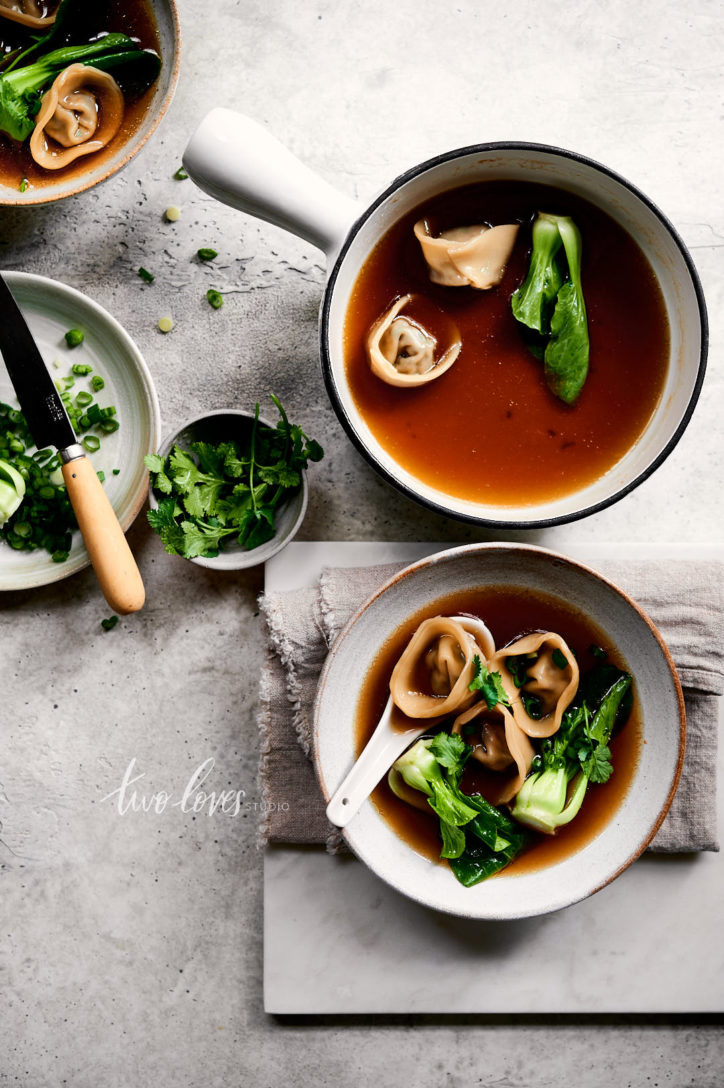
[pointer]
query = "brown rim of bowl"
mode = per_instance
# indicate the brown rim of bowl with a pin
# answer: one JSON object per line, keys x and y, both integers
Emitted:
{"x": 82, "y": 186}
{"x": 465, "y": 548}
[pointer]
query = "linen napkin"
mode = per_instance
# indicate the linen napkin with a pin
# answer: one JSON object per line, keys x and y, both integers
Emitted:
{"x": 684, "y": 598}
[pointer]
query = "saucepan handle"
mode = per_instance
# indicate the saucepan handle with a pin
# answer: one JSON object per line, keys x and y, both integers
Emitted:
{"x": 240, "y": 163}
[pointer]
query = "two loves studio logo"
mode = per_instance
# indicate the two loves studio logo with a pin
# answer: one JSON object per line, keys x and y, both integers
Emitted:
{"x": 195, "y": 798}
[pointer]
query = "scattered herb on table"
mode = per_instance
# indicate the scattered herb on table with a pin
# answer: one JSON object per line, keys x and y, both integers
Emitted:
{"x": 214, "y": 298}
{"x": 550, "y": 305}
{"x": 180, "y": 174}
{"x": 206, "y": 254}
{"x": 214, "y": 495}
{"x": 146, "y": 276}
{"x": 110, "y": 623}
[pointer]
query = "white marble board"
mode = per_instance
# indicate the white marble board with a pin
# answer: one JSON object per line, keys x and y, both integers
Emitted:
{"x": 339, "y": 941}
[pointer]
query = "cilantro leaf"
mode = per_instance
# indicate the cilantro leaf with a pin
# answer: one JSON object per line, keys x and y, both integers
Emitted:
{"x": 154, "y": 462}
{"x": 598, "y": 766}
{"x": 450, "y": 750}
{"x": 183, "y": 470}
{"x": 201, "y": 539}
{"x": 163, "y": 521}
{"x": 489, "y": 683}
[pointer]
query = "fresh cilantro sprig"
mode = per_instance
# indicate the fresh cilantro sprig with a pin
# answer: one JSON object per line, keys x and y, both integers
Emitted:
{"x": 489, "y": 683}
{"x": 576, "y": 747}
{"x": 212, "y": 494}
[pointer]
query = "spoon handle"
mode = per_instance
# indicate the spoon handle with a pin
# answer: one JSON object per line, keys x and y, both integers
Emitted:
{"x": 383, "y": 748}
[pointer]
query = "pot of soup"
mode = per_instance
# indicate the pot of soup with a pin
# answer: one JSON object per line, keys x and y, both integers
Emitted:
{"x": 511, "y": 334}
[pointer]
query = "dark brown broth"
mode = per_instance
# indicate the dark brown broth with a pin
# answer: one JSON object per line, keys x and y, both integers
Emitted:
{"x": 508, "y": 612}
{"x": 489, "y": 430}
{"x": 131, "y": 17}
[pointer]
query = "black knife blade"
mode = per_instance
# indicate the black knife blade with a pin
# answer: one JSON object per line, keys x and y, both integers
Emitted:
{"x": 40, "y": 401}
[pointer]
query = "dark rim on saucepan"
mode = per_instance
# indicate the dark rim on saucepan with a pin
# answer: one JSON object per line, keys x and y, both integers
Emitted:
{"x": 436, "y": 507}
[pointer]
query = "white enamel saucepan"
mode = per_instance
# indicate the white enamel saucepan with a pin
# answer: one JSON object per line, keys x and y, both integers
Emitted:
{"x": 240, "y": 163}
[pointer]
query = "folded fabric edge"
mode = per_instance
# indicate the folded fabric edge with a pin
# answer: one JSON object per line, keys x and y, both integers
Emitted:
{"x": 263, "y": 723}
{"x": 269, "y": 610}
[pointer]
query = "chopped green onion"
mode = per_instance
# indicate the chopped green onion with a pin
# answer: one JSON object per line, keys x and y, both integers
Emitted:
{"x": 214, "y": 298}
{"x": 559, "y": 659}
{"x": 81, "y": 369}
{"x": 165, "y": 324}
{"x": 97, "y": 383}
{"x": 24, "y": 183}
{"x": 101, "y": 475}
{"x": 110, "y": 623}
{"x": 180, "y": 174}
{"x": 116, "y": 472}
{"x": 172, "y": 214}
{"x": 597, "y": 651}
{"x": 108, "y": 426}
{"x": 83, "y": 399}
{"x": 206, "y": 254}
{"x": 59, "y": 556}
{"x": 74, "y": 337}
{"x": 146, "y": 276}
{"x": 91, "y": 443}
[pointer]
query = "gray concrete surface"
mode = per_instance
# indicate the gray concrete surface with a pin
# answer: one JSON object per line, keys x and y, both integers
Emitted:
{"x": 130, "y": 949}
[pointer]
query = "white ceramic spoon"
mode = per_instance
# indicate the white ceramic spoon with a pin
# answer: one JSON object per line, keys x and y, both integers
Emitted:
{"x": 388, "y": 742}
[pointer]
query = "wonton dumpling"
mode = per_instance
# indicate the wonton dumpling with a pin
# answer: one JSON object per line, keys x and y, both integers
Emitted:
{"x": 402, "y": 353}
{"x": 555, "y": 687}
{"x": 467, "y": 256}
{"x": 448, "y": 650}
{"x": 500, "y": 744}
{"x": 28, "y": 12}
{"x": 80, "y": 114}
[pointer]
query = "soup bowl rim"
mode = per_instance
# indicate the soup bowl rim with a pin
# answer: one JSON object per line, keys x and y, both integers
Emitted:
{"x": 133, "y": 145}
{"x": 416, "y": 494}
{"x": 558, "y": 901}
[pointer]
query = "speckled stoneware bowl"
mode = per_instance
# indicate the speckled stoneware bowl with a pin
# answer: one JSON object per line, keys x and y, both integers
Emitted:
{"x": 169, "y": 34}
{"x": 232, "y": 425}
{"x": 658, "y": 691}
{"x": 50, "y": 309}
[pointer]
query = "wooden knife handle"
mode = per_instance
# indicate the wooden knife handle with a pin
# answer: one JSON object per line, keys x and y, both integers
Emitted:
{"x": 113, "y": 563}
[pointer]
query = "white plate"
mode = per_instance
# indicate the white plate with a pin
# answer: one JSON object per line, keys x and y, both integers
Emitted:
{"x": 50, "y": 309}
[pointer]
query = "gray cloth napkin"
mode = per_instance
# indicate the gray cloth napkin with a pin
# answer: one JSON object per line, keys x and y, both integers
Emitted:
{"x": 684, "y": 598}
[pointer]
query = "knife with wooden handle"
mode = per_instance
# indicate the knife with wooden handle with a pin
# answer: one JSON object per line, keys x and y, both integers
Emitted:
{"x": 48, "y": 422}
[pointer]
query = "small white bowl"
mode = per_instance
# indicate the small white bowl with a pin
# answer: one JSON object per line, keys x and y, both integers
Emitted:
{"x": 227, "y": 425}
{"x": 659, "y": 694}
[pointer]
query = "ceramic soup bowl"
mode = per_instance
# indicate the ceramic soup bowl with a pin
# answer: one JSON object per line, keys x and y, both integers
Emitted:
{"x": 240, "y": 163}
{"x": 660, "y": 704}
{"x": 99, "y": 167}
